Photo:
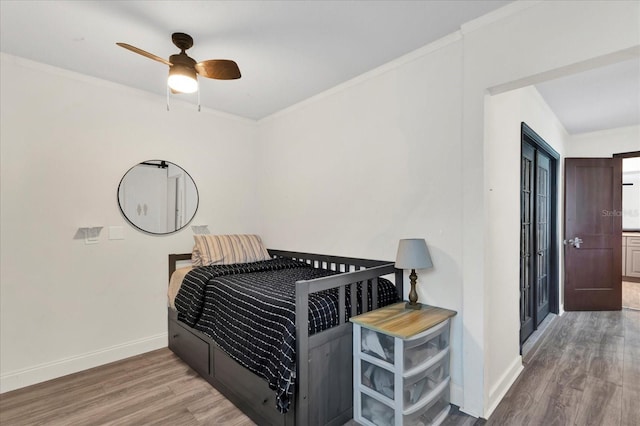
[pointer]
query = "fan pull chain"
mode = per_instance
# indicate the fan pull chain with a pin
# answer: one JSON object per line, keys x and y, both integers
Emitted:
{"x": 168, "y": 96}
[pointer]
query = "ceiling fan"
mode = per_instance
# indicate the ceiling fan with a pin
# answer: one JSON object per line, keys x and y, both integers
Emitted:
{"x": 183, "y": 70}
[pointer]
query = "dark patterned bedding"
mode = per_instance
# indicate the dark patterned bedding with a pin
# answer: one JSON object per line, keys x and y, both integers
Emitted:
{"x": 249, "y": 311}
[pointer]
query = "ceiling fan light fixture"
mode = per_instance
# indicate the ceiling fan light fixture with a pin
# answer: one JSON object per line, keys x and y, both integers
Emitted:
{"x": 184, "y": 70}
{"x": 182, "y": 79}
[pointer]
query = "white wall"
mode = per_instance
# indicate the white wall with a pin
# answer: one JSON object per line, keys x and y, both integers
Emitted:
{"x": 604, "y": 143}
{"x": 66, "y": 141}
{"x": 504, "y": 113}
{"x": 631, "y": 195}
{"x": 369, "y": 163}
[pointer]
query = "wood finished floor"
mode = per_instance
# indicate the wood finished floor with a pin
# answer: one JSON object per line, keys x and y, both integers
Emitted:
{"x": 584, "y": 371}
{"x": 631, "y": 295}
{"x": 154, "y": 388}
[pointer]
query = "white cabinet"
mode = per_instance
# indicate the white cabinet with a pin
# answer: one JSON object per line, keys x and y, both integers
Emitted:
{"x": 624, "y": 255}
{"x": 401, "y": 366}
{"x": 631, "y": 255}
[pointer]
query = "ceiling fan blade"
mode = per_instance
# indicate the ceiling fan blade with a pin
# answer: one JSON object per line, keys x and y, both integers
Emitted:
{"x": 220, "y": 69}
{"x": 144, "y": 53}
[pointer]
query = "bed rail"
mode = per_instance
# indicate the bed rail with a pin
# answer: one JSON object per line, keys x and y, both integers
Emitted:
{"x": 174, "y": 259}
{"x": 335, "y": 263}
{"x": 327, "y": 261}
{"x": 304, "y": 344}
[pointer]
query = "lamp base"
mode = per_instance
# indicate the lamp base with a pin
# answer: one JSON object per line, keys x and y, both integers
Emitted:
{"x": 410, "y": 305}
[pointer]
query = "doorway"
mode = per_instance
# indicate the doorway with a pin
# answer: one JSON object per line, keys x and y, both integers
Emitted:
{"x": 630, "y": 230}
{"x": 538, "y": 231}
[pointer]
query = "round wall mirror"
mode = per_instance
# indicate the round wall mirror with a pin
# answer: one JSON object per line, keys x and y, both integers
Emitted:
{"x": 158, "y": 197}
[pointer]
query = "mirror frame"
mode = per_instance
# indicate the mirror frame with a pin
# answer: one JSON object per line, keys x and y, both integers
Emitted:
{"x": 162, "y": 163}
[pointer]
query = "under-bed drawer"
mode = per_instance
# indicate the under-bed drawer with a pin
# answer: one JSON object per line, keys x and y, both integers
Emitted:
{"x": 249, "y": 386}
{"x": 193, "y": 350}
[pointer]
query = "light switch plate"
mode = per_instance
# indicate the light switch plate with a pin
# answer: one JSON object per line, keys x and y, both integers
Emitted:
{"x": 116, "y": 233}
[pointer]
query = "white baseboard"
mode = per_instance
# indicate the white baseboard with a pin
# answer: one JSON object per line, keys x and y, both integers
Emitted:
{"x": 498, "y": 391}
{"x": 457, "y": 394}
{"x": 51, "y": 370}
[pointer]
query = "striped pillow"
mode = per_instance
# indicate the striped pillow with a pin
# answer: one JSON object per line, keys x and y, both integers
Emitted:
{"x": 228, "y": 249}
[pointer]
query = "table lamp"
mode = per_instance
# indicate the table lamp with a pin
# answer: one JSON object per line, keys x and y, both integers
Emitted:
{"x": 413, "y": 254}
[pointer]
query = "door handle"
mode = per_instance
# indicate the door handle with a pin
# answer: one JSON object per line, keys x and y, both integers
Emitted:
{"x": 574, "y": 242}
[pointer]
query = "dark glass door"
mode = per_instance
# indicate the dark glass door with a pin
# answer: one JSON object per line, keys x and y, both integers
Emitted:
{"x": 543, "y": 229}
{"x": 527, "y": 202}
{"x": 536, "y": 230}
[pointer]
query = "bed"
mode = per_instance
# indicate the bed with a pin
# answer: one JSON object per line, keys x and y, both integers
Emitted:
{"x": 321, "y": 380}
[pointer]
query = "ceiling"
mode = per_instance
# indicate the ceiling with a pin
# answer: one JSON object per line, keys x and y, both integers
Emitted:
{"x": 598, "y": 99}
{"x": 287, "y": 51}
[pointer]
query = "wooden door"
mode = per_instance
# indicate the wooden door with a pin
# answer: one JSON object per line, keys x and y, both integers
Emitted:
{"x": 593, "y": 234}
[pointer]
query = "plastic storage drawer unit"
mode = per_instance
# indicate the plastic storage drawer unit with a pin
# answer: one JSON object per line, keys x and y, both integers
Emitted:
{"x": 425, "y": 346}
{"x": 401, "y": 378}
{"x": 417, "y": 387}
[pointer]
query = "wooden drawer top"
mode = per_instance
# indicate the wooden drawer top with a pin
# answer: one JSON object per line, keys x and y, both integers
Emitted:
{"x": 397, "y": 321}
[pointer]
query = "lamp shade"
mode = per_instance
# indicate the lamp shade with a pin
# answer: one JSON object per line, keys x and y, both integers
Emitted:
{"x": 182, "y": 79}
{"x": 413, "y": 254}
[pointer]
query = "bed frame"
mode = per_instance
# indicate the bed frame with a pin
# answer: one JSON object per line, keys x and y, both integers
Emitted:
{"x": 323, "y": 392}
